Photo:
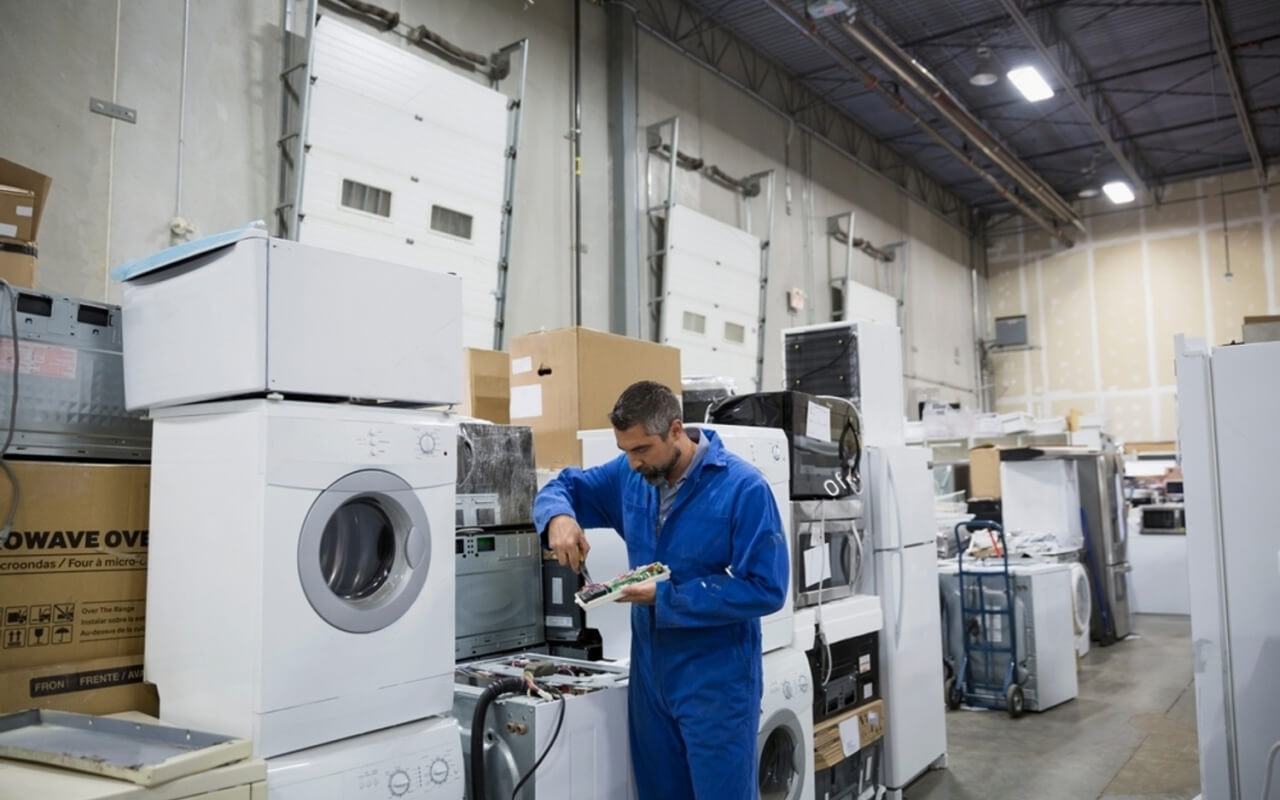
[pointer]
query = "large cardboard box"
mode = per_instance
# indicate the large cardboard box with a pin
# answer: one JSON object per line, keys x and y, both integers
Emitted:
{"x": 23, "y": 192}
{"x": 567, "y": 380}
{"x": 984, "y": 472}
{"x": 18, "y": 263}
{"x": 97, "y": 686}
{"x": 838, "y": 737}
{"x": 487, "y": 392}
{"x": 73, "y": 570}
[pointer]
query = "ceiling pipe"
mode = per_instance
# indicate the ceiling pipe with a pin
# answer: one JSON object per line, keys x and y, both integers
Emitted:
{"x": 872, "y": 82}
{"x": 884, "y": 50}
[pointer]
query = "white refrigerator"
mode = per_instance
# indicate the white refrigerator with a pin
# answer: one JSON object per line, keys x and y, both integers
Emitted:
{"x": 1228, "y": 438}
{"x": 903, "y": 570}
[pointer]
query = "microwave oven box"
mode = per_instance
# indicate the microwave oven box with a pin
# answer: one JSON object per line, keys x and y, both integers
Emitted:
{"x": 73, "y": 570}
{"x": 568, "y": 380}
{"x": 96, "y": 686}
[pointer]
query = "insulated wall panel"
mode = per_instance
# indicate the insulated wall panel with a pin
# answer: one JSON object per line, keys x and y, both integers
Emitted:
{"x": 1122, "y": 316}
{"x": 406, "y": 163}
{"x": 1176, "y": 297}
{"x": 1068, "y": 324}
{"x": 1245, "y": 294}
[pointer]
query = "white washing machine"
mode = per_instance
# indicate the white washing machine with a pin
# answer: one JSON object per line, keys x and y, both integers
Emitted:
{"x": 766, "y": 448}
{"x": 301, "y": 581}
{"x": 418, "y": 760}
{"x": 1081, "y": 607}
{"x": 785, "y": 742}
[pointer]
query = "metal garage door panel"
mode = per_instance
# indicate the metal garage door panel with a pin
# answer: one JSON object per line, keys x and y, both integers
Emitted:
{"x": 709, "y": 238}
{"x": 711, "y": 297}
{"x": 386, "y": 118}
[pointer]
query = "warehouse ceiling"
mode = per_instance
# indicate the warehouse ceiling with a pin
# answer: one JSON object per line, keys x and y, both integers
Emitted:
{"x": 1147, "y": 97}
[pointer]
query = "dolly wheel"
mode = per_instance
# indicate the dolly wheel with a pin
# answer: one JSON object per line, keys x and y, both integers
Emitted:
{"x": 953, "y": 694}
{"x": 1014, "y": 701}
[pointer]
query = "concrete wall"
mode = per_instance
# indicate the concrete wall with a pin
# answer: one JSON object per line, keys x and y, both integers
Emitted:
{"x": 114, "y": 182}
{"x": 1102, "y": 316}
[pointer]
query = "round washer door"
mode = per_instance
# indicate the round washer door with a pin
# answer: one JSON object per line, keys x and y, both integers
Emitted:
{"x": 781, "y": 755}
{"x": 364, "y": 551}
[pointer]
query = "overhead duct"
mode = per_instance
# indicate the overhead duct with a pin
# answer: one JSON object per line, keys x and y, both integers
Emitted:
{"x": 803, "y": 25}
{"x": 889, "y": 55}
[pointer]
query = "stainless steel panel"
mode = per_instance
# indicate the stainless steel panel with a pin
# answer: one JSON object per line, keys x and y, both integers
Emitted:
{"x": 70, "y": 381}
{"x": 498, "y": 592}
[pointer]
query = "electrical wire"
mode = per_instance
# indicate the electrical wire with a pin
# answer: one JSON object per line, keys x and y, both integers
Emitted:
{"x": 1271, "y": 762}
{"x": 546, "y": 751}
{"x": 13, "y": 409}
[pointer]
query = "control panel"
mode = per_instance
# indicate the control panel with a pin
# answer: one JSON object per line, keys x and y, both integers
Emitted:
{"x": 430, "y": 776}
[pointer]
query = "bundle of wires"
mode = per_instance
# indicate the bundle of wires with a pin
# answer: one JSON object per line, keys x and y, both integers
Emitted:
{"x": 12, "y": 297}
{"x": 527, "y": 684}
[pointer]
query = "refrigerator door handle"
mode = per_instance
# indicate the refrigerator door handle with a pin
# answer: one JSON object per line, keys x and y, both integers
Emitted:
{"x": 901, "y": 550}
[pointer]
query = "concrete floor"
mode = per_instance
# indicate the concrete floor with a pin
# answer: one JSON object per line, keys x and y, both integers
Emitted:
{"x": 1130, "y": 734}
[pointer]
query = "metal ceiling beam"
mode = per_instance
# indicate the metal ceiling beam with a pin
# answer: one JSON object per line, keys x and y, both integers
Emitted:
{"x": 1222, "y": 43}
{"x": 802, "y": 24}
{"x": 883, "y": 50}
{"x": 710, "y": 45}
{"x": 1061, "y": 57}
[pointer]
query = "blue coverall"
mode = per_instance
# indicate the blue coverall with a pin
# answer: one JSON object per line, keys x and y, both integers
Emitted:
{"x": 696, "y": 684}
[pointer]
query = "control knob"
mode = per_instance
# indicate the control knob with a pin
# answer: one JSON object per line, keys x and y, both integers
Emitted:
{"x": 439, "y": 771}
{"x": 399, "y": 783}
{"x": 427, "y": 443}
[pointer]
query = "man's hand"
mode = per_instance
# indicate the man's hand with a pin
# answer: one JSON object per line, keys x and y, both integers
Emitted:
{"x": 567, "y": 540}
{"x": 641, "y": 593}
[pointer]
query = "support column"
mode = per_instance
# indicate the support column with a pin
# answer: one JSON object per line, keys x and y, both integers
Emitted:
{"x": 625, "y": 279}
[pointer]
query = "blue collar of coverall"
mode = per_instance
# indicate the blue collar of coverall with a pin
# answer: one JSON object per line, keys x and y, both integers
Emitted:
{"x": 715, "y": 454}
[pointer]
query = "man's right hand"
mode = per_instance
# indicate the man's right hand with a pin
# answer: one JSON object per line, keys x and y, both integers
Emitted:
{"x": 567, "y": 540}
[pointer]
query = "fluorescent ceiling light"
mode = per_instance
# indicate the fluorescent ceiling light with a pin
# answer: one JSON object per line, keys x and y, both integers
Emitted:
{"x": 1031, "y": 83}
{"x": 1118, "y": 192}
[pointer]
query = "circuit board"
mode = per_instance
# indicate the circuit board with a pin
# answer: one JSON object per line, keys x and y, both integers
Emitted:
{"x": 596, "y": 594}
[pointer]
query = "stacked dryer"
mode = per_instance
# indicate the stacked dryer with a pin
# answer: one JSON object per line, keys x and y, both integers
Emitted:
{"x": 301, "y": 585}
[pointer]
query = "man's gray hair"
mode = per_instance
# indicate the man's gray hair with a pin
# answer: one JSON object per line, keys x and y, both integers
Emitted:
{"x": 646, "y": 403}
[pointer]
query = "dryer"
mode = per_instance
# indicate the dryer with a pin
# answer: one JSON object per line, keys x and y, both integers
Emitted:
{"x": 418, "y": 761}
{"x": 301, "y": 581}
{"x": 785, "y": 742}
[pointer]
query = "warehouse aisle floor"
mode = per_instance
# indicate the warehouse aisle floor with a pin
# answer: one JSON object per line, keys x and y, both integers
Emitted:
{"x": 1130, "y": 735}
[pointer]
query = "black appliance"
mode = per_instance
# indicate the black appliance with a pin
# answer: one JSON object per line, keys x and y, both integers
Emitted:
{"x": 824, "y": 361}
{"x": 565, "y": 621}
{"x": 854, "y": 676}
{"x": 855, "y": 778}
{"x": 824, "y": 435}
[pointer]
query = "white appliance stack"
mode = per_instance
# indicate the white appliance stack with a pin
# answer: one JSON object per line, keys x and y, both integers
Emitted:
{"x": 1228, "y": 437}
{"x": 301, "y": 586}
{"x": 861, "y": 361}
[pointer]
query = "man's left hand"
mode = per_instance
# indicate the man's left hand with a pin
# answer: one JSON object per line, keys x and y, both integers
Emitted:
{"x": 642, "y": 594}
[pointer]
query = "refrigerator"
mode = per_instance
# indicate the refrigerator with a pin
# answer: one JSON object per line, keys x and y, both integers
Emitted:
{"x": 1102, "y": 497}
{"x": 1228, "y": 437}
{"x": 903, "y": 571}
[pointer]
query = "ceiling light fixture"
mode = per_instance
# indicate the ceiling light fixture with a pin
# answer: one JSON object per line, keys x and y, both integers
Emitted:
{"x": 985, "y": 73}
{"x": 1118, "y": 192}
{"x": 1088, "y": 192}
{"x": 1031, "y": 83}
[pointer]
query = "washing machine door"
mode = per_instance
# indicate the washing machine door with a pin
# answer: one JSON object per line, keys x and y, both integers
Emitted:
{"x": 782, "y": 758}
{"x": 364, "y": 551}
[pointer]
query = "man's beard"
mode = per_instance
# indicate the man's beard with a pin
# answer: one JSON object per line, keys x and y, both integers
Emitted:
{"x": 658, "y": 475}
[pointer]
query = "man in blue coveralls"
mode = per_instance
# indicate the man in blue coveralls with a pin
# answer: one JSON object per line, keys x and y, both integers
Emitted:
{"x": 677, "y": 496}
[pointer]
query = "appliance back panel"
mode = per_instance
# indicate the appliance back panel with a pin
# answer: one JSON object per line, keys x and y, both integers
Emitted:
{"x": 855, "y": 675}
{"x": 70, "y": 381}
{"x": 496, "y": 462}
{"x": 824, "y": 362}
{"x": 498, "y": 592}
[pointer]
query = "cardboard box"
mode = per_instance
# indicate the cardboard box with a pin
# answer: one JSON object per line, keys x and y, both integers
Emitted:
{"x": 23, "y": 193}
{"x": 567, "y": 380}
{"x": 73, "y": 571}
{"x": 18, "y": 264}
{"x": 486, "y": 393}
{"x": 97, "y": 686}
{"x": 984, "y": 472}
{"x": 831, "y": 744}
